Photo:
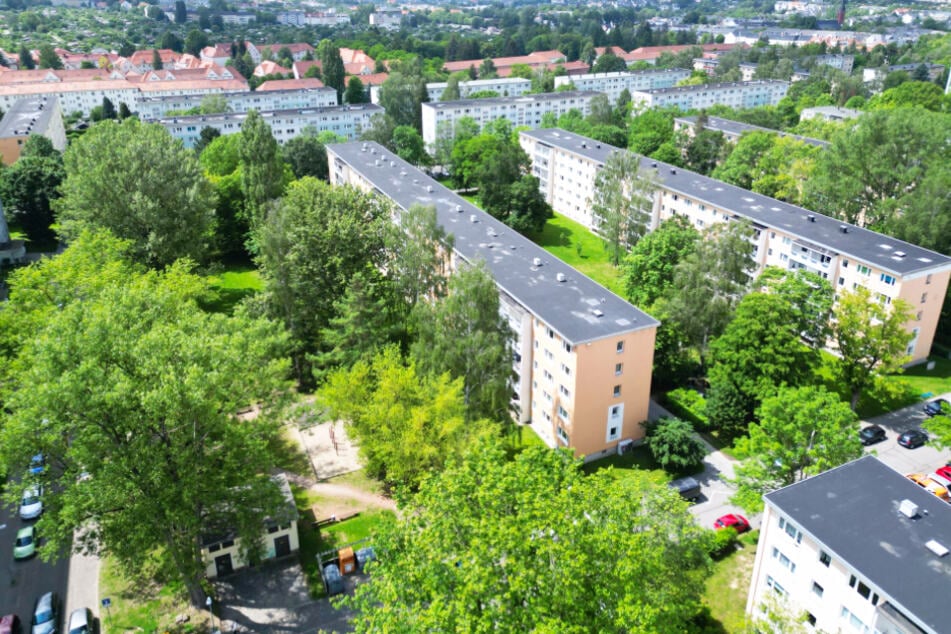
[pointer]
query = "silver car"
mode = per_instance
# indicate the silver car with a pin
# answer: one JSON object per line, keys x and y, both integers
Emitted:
{"x": 46, "y": 615}
{"x": 80, "y": 622}
{"x": 31, "y": 507}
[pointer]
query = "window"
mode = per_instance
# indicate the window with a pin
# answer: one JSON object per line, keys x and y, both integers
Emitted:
{"x": 845, "y": 264}
{"x": 817, "y": 589}
{"x": 783, "y": 560}
{"x": 864, "y": 270}
{"x": 549, "y": 355}
{"x": 563, "y": 413}
{"x": 620, "y": 346}
{"x": 564, "y": 390}
{"x": 615, "y": 411}
{"x": 888, "y": 279}
{"x": 924, "y": 297}
{"x": 566, "y": 369}
{"x": 567, "y": 346}
{"x": 824, "y": 558}
{"x": 617, "y": 390}
{"x": 810, "y": 618}
{"x": 612, "y": 433}
{"x": 919, "y": 315}
{"x": 562, "y": 434}
{"x": 928, "y": 279}
{"x": 619, "y": 367}
{"x": 551, "y": 333}
{"x": 841, "y": 281}
{"x": 778, "y": 589}
{"x": 854, "y": 621}
{"x": 791, "y": 530}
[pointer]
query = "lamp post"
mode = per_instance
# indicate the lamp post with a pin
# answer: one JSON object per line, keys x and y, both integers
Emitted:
{"x": 210, "y": 603}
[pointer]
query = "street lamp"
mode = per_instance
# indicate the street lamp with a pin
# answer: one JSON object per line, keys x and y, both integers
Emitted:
{"x": 209, "y": 602}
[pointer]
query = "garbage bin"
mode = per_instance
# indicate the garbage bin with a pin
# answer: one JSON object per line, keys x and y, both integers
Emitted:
{"x": 348, "y": 561}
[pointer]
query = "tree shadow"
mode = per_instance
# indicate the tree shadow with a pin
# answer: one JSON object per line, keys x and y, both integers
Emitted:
{"x": 554, "y": 236}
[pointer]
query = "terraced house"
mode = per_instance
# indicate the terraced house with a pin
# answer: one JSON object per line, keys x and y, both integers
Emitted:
{"x": 582, "y": 355}
{"x": 786, "y": 236}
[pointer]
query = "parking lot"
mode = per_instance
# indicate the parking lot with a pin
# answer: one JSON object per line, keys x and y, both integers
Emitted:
{"x": 921, "y": 460}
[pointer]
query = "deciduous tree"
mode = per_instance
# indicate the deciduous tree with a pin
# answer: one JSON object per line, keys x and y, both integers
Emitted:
{"x": 408, "y": 145}
{"x": 356, "y": 93}
{"x": 801, "y": 432}
{"x": 675, "y": 445}
{"x": 262, "y": 170}
{"x": 28, "y": 187}
{"x": 49, "y": 58}
{"x": 166, "y": 218}
{"x": 489, "y": 542}
{"x": 331, "y": 65}
{"x": 622, "y": 202}
{"x": 418, "y": 251}
{"x": 649, "y": 266}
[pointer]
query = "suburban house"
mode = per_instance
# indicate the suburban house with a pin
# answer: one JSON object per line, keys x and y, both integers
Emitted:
{"x": 222, "y": 552}
{"x": 858, "y": 548}
{"x": 786, "y": 236}
{"x": 582, "y": 355}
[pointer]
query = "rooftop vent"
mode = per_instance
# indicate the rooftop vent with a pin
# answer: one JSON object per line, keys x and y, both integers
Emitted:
{"x": 673, "y": 171}
{"x": 654, "y": 164}
{"x": 536, "y": 261}
{"x": 597, "y": 312}
{"x": 908, "y": 509}
{"x": 811, "y": 218}
{"x": 392, "y": 163}
{"x": 561, "y": 277}
{"x": 844, "y": 228}
{"x": 473, "y": 218}
{"x": 899, "y": 254}
{"x": 372, "y": 150}
{"x": 429, "y": 188}
{"x": 936, "y": 547}
{"x": 376, "y": 163}
{"x": 402, "y": 172}
{"x": 458, "y": 208}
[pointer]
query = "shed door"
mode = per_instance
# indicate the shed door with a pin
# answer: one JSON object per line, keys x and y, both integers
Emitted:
{"x": 282, "y": 546}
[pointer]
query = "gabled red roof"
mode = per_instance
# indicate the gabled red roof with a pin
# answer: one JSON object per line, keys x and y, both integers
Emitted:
{"x": 290, "y": 84}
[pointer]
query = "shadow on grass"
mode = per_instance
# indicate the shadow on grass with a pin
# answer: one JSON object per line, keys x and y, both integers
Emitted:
{"x": 310, "y": 543}
{"x": 224, "y": 300}
{"x": 289, "y": 455}
{"x": 553, "y": 236}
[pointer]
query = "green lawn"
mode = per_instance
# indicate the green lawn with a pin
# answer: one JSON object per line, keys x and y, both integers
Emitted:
{"x": 639, "y": 460}
{"x": 144, "y": 606}
{"x": 576, "y": 245}
{"x": 729, "y": 584}
{"x": 231, "y": 286}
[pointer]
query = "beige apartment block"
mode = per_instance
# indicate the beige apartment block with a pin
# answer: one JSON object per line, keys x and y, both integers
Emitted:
{"x": 582, "y": 355}
{"x": 28, "y": 117}
{"x": 859, "y": 548}
{"x": 786, "y": 236}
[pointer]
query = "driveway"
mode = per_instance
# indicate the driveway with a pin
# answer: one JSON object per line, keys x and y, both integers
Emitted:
{"x": 273, "y": 599}
{"x": 921, "y": 460}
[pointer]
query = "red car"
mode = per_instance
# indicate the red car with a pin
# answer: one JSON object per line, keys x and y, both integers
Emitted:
{"x": 9, "y": 624}
{"x": 944, "y": 471}
{"x": 737, "y": 522}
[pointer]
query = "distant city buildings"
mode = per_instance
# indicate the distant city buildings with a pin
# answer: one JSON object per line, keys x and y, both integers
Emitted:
{"x": 582, "y": 355}
{"x": 740, "y": 94}
{"x": 386, "y": 20}
{"x": 786, "y": 236}
{"x": 613, "y": 84}
{"x": 537, "y": 60}
{"x": 526, "y": 110}
{"x": 829, "y": 113}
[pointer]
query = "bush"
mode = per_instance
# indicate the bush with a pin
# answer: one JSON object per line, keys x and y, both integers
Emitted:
{"x": 675, "y": 445}
{"x": 724, "y": 543}
{"x": 689, "y": 405}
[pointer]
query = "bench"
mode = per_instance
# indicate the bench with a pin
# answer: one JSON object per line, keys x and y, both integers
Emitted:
{"x": 333, "y": 519}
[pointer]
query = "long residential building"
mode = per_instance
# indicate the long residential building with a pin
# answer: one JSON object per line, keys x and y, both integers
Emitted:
{"x": 583, "y": 355}
{"x": 787, "y": 236}
{"x": 526, "y": 110}
{"x": 149, "y": 107}
{"x": 733, "y": 130}
{"x": 613, "y": 84}
{"x": 736, "y": 94}
{"x": 859, "y": 548}
{"x": 35, "y": 116}
{"x": 83, "y": 90}
{"x": 347, "y": 121}
{"x": 503, "y": 86}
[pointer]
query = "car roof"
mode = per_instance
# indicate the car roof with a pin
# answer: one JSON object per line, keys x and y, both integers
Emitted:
{"x": 23, "y": 531}
{"x": 78, "y": 618}
{"x": 45, "y": 601}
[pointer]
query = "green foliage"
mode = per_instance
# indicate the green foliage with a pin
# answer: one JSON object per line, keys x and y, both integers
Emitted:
{"x": 622, "y": 202}
{"x": 649, "y": 266}
{"x": 650, "y": 130}
{"x": 418, "y": 249}
{"x": 29, "y": 186}
{"x": 464, "y": 334}
{"x": 492, "y": 533}
{"x": 138, "y": 387}
{"x": 356, "y": 92}
{"x": 687, "y": 404}
{"x": 704, "y": 151}
{"x": 166, "y": 217}
{"x": 311, "y": 245}
{"x": 223, "y": 155}
{"x": 262, "y": 170}
{"x": 724, "y": 543}
{"x": 675, "y": 445}
{"x": 402, "y": 95}
{"x": 801, "y": 432}
{"x": 809, "y": 298}
{"x": 49, "y": 58}
{"x": 407, "y": 424}
{"x": 306, "y": 155}
{"x": 407, "y": 142}
{"x": 609, "y": 63}
{"x": 332, "y": 69}
{"x": 871, "y": 340}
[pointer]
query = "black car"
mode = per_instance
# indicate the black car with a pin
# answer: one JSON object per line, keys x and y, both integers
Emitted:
{"x": 912, "y": 438}
{"x": 871, "y": 435}
{"x": 935, "y": 407}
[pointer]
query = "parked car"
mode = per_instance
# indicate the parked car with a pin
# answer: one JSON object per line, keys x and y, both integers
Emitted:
{"x": 688, "y": 488}
{"x": 944, "y": 471}
{"x": 80, "y": 622}
{"x": 37, "y": 464}
{"x": 929, "y": 485}
{"x": 912, "y": 438}
{"x": 46, "y": 614}
{"x": 871, "y": 435}
{"x": 10, "y": 624}
{"x": 732, "y": 520}
{"x": 935, "y": 407}
{"x": 25, "y": 544}
{"x": 31, "y": 507}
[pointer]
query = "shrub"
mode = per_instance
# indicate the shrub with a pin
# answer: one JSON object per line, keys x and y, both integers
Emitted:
{"x": 689, "y": 405}
{"x": 724, "y": 543}
{"x": 675, "y": 445}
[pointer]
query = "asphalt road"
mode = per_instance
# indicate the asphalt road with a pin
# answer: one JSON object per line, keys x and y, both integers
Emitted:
{"x": 924, "y": 459}
{"x": 22, "y": 582}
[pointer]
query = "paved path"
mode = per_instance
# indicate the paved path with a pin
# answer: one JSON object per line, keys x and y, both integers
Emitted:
{"x": 83, "y": 588}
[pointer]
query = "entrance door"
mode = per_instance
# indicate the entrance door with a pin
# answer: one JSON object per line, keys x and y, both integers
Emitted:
{"x": 223, "y": 565}
{"x": 282, "y": 546}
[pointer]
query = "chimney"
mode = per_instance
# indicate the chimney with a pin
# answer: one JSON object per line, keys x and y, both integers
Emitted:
{"x": 811, "y": 218}
{"x": 844, "y": 228}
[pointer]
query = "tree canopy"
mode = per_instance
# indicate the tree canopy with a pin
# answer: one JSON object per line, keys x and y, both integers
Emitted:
{"x": 649, "y": 266}
{"x": 622, "y": 202}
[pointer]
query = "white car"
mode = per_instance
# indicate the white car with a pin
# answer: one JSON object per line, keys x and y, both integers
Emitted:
{"x": 31, "y": 507}
{"x": 79, "y": 622}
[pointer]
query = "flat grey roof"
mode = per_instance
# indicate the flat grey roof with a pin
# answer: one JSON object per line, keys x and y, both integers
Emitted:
{"x": 720, "y": 86}
{"x": 30, "y": 115}
{"x": 627, "y": 73}
{"x": 489, "y": 101}
{"x": 871, "y": 247}
{"x": 736, "y": 127}
{"x": 853, "y": 511}
{"x": 568, "y": 307}
{"x": 267, "y": 114}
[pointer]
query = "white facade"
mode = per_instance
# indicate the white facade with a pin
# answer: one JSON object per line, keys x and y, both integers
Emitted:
{"x": 526, "y": 110}
{"x": 388, "y": 20}
{"x": 504, "y": 86}
{"x": 613, "y": 84}
{"x": 786, "y": 236}
{"x": 741, "y": 94}
{"x": 150, "y": 107}
{"x": 347, "y": 121}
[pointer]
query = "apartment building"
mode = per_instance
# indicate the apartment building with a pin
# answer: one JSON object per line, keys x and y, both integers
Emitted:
{"x": 613, "y": 84}
{"x": 387, "y": 20}
{"x": 733, "y": 130}
{"x": 347, "y": 121}
{"x": 583, "y": 355}
{"x": 151, "y": 107}
{"x": 27, "y": 117}
{"x": 787, "y": 236}
{"x": 859, "y": 548}
{"x": 535, "y": 60}
{"x": 736, "y": 94}
{"x": 504, "y": 86}
{"x": 526, "y": 110}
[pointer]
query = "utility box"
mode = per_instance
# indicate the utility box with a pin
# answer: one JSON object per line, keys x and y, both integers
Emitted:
{"x": 348, "y": 561}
